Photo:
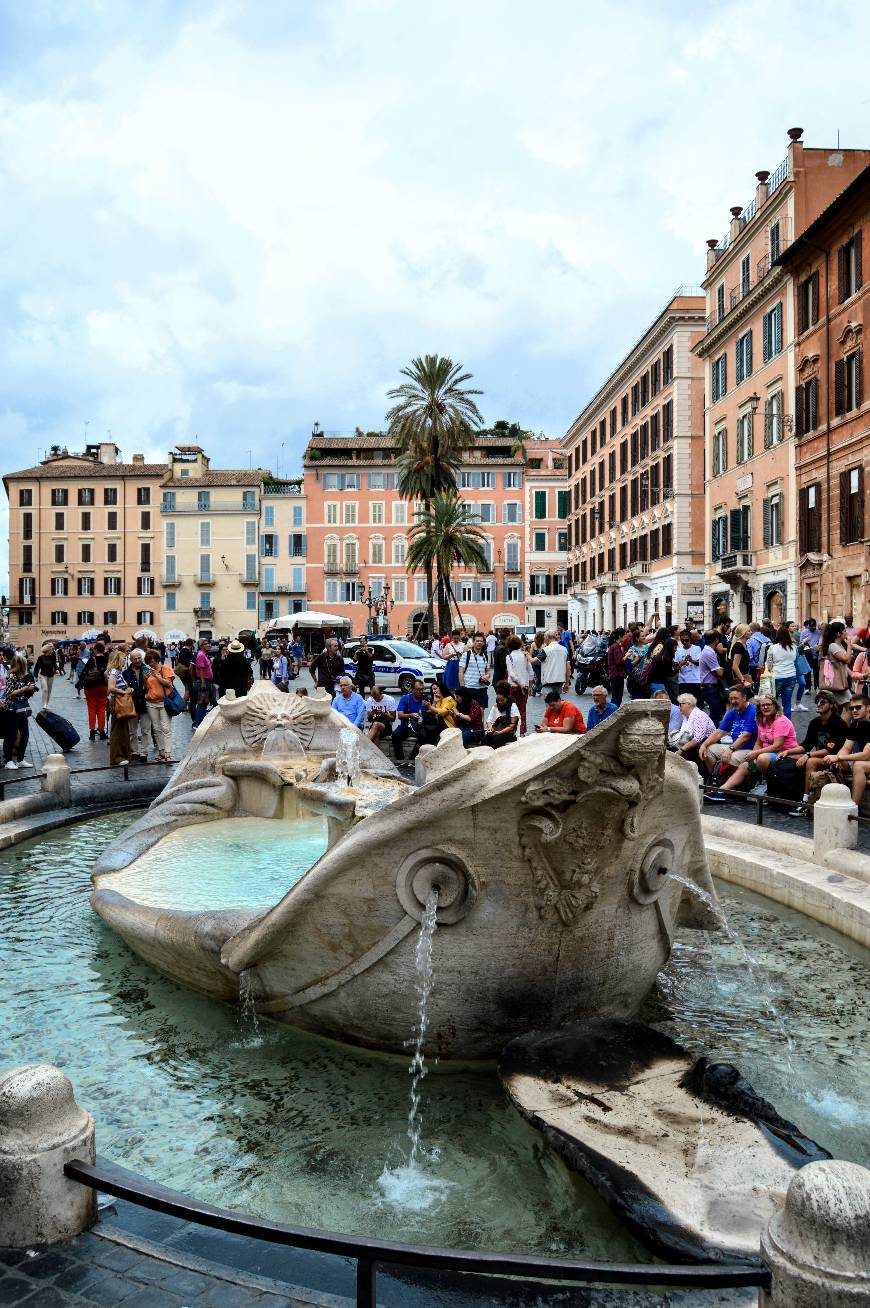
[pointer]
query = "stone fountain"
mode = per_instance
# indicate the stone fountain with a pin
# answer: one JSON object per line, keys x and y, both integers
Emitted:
{"x": 557, "y": 870}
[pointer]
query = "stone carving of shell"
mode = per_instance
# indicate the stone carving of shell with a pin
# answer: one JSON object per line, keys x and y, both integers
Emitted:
{"x": 264, "y": 712}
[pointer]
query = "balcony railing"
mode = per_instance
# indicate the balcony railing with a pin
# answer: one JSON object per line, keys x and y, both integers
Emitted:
{"x": 248, "y": 578}
{"x": 204, "y": 614}
{"x": 205, "y": 580}
{"x": 512, "y": 566}
{"x": 283, "y": 488}
{"x": 638, "y": 573}
{"x": 169, "y": 581}
{"x": 331, "y": 568}
{"x": 737, "y": 564}
{"x": 607, "y": 581}
{"x": 219, "y": 506}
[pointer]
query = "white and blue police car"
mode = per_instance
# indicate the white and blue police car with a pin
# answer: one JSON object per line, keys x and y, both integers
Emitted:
{"x": 397, "y": 663}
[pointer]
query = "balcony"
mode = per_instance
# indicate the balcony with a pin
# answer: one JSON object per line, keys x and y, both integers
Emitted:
{"x": 231, "y": 506}
{"x": 638, "y": 574}
{"x": 169, "y": 581}
{"x": 512, "y": 567}
{"x": 204, "y": 615}
{"x": 208, "y": 580}
{"x": 607, "y": 581}
{"x": 248, "y": 578}
{"x": 739, "y": 564}
{"x": 331, "y": 568}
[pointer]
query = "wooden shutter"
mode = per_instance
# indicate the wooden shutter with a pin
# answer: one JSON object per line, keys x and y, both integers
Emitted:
{"x": 859, "y": 380}
{"x": 765, "y": 522}
{"x": 839, "y": 386}
{"x": 844, "y": 508}
{"x": 736, "y": 516}
{"x": 814, "y": 298}
{"x": 799, "y": 410}
{"x": 841, "y": 274}
{"x": 859, "y": 272}
{"x": 803, "y": 290}
{"x": 803, "y": 533}
{"x": 857, "y": 506}
{"x": 767, "y": 336}
{"x": 747, "y": 362}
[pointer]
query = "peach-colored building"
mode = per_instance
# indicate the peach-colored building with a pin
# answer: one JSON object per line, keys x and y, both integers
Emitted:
{"x": 84, "y": 545}
{"x": 546, "y": 534}
{"x": 283, "y": 548}
{"x": 831, "y": 406}
{"x": 748, "y": 351}
{"x": 358, "y": 529}
{"x": 635, "y": 465}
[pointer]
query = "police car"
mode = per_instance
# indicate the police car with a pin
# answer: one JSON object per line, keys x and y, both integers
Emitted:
{"x": 397, "y": 663}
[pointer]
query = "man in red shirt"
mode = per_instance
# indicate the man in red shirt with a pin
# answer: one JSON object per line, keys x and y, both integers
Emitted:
{"x": 562, "y": 716}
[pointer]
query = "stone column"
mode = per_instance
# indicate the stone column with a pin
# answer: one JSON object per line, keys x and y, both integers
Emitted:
{"x": 817, "y": 1247}
{"x": 41, "y": 1129}
{"x": 832, "y": 825}
{"x": 55, "y": 778}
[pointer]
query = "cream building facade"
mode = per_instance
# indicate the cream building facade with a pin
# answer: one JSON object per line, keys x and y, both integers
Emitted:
{"x": 210, "y": 527}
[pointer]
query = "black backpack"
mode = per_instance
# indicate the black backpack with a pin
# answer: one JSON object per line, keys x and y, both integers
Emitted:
{"x": 785, "y": 780}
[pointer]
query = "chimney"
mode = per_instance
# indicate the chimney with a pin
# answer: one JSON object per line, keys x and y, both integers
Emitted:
{"x": 138, "y": 458}
{"x": 108, "y": 452}
{"x": 761, "y": 188}
{"x": 711, "y": 252}
{"x": 736, "y": 211}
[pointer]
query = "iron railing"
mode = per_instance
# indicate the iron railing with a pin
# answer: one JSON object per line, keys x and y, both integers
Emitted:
{"x": 370, "y": 1254}
{"x": 777, "y": 177}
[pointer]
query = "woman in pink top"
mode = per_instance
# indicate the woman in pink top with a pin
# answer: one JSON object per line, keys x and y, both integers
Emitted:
{"x": 775, "y": 735}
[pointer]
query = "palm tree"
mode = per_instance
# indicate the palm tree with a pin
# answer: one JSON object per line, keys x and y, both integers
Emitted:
{"x": 442, "y": 536}
{"x": 432, "y": 423}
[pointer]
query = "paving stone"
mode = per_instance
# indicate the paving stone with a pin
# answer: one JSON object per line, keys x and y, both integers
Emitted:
{"x": 154, "y": 1296}
{"x": 47, "y": 1265}
{"x": 14, "y": 1289}
{"x": 49, "y": 1296}
{"x": 222, "y": 1294}
{"x": 11, "y": 1257}
{"x": 117, "y": 1257}
{"x": 103, "y": 1288}
{"x": 187, "y": 1284}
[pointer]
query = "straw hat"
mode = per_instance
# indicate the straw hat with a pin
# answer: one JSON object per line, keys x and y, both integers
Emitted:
{"x": 236, "y": 647}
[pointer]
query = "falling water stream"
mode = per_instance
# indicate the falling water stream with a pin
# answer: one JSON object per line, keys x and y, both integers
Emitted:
{"x": 248, "y": 1010}
{"x": 411, "y": 1184}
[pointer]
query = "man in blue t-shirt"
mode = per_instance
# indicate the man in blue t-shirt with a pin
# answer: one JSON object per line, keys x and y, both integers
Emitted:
{"x": 409, "y": 712}
{"x": 601, "y": 708}
{"x": 349, "y": 703}
{"x": 739, "y": 725}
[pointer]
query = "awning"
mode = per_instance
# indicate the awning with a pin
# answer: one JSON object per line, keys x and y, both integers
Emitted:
{"x": 175, "y": 634}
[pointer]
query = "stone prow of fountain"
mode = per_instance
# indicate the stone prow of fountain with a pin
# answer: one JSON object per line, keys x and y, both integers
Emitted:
{"x": 553, "y": 857}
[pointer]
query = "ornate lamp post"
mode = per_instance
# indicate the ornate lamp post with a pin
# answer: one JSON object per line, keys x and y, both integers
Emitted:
{"x": 379, "y": 607}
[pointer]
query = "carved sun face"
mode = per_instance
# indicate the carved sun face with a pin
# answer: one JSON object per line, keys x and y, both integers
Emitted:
{"x": 264, "y": 712}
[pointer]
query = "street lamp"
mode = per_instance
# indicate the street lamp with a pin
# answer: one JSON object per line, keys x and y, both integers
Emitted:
{"x": 378, "y": 606}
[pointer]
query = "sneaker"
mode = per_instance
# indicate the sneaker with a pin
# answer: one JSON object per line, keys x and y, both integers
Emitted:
{"x": 801, "y": 708}
{"x": 713, "y": 796}
{"x": 802, "y": 811}
{"x": 11, "y": 765}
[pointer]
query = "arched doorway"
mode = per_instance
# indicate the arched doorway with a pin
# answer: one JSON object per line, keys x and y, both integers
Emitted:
{"x": 418, "y": 625}
{"x": 776, "y": 607}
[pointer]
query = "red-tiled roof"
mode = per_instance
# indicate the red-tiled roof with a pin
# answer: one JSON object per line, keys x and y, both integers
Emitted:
{"x": 57, "y": 469}
{"x": 218, "y": 477}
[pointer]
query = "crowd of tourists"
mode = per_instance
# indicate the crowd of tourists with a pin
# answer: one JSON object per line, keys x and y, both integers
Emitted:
{"x": 733, "y": 692}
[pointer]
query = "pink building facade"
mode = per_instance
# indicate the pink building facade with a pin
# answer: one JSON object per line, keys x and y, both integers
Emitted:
{"x": 358, "y": 533}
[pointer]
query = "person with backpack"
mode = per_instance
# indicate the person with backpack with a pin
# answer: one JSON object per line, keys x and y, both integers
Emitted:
{"x": 159, "y": 682}
{"x": 95, "y": 685}
{"x": 474, "y": 671}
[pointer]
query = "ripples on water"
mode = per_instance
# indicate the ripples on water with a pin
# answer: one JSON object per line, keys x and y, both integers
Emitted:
{"x": 301, "y": 1130}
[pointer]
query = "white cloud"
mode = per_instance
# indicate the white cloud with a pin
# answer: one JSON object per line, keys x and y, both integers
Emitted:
{"x": 233, "y": 219}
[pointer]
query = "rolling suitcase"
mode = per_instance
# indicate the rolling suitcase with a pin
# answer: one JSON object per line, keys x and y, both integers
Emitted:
{"x": 63, "y": 733}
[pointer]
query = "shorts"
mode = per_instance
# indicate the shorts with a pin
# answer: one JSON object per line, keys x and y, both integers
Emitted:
{"x": 716, "y": 751}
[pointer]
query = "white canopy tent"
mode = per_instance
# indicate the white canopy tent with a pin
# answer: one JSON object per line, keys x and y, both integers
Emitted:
{"x": 310, "y": 620}
{"x": 175, "y": 634}
{"x": 147, "y": 633}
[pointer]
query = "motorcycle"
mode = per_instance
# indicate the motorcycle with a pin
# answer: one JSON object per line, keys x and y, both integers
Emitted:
{"x": 591, "y": 669}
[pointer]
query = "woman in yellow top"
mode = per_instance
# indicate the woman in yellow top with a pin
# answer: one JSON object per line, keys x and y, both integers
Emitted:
{"x": 438, "y": 715}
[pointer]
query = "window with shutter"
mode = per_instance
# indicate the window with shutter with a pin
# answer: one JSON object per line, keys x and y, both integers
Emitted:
{"x": 858, "y": 271}
{"x": 765, "y": 523}
{"x": 844, "y": 508}
{"x": 736, "y": 529}
{"x": 812, "y": 404}
{"x": 803, "y": 306}
{"x": 839, "y": 386}
{"x": 814, "y": 298}
{"x": 799, "y": 427}
{"x": 842, "y": 290}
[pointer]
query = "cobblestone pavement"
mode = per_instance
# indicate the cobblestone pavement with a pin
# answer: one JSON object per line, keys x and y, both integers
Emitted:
{"x": 98, "y": 1272}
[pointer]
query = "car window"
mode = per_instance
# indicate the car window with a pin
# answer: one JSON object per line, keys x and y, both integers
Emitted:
{"x": 406, "y": 650}
{"x": 382, "y": 654}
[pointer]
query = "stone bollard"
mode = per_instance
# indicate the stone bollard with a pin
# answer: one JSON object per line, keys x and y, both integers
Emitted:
{"x": 832, "y": 825}
{"x": 55, "y": 778}
{"x": 817, "y": 1247}
{"x": 41, "y": 1128}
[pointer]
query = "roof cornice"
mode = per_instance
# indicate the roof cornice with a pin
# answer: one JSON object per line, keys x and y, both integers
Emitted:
{"x": 750, "y": 302}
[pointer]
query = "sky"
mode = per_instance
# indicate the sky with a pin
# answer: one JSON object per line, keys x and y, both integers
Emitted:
{"x": 224, "y": 221}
